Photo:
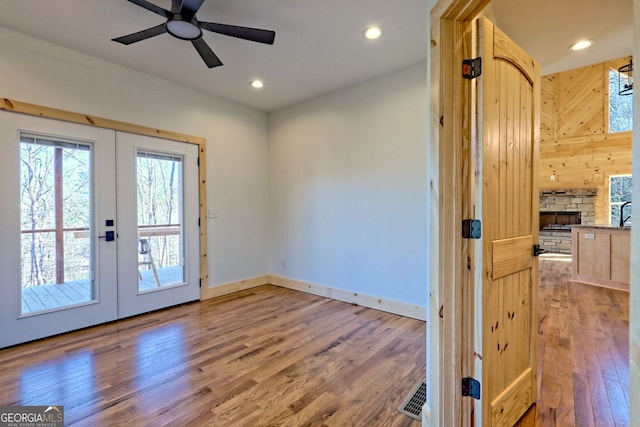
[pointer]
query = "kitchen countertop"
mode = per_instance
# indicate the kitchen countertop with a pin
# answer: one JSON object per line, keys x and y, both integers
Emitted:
{"x": 602, "y": 226}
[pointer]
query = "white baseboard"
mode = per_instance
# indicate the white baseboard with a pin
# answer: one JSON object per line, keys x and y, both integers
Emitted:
{"x": 390, "y": 306}
{"x": 229, "y": 288}
{"x": 426, "y": 415}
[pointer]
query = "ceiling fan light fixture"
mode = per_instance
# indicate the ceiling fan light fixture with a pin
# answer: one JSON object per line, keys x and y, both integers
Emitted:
{"x": 257, "y": 84}
{"x": 183, "y": 29}
{"x": 581, "y": 45}
{"x": 372, "y": 32}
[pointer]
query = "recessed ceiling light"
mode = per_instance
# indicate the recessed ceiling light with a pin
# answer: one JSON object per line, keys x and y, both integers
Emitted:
{"x": 581, "y": 44}
{"x": 372, "y": 32}
{"x": 257, "y": 84}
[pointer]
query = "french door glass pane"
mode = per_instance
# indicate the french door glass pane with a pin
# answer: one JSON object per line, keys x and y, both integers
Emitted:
{"x": 55, "y": 214}
{"x": 160, "y": 237}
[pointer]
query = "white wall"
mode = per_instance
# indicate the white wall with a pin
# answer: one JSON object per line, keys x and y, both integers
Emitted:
{"x": 343, "y": 177}
{"x": 348, "y": 188}
{"x": 38, "y": 72}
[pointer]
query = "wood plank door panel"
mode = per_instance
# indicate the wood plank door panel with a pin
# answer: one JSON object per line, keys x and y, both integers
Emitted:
{"x": 511, "y": 256}
{"x": 508, "y": 109}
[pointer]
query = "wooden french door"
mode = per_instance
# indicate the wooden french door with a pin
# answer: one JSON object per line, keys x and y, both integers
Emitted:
{"x": 506, "y": 197}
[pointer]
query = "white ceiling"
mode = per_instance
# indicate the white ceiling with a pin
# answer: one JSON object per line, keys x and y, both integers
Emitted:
{"x": 319, "y": 45}
{"x": 546, "y": 29}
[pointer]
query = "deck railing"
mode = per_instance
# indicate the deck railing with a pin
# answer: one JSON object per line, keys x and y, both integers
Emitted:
{"x": 44, "y": 260}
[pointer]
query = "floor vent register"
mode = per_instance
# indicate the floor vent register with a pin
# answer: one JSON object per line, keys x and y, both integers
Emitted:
{"x": 412, "y": 405}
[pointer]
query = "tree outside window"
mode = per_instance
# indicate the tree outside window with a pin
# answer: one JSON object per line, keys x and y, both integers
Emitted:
{"x": 619, "y": 192}
{"x": 620, "y": 106}
{"x": 55, "y": 202}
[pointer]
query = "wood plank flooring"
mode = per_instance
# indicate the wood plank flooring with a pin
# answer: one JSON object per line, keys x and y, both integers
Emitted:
{"x": 271, "y": 356}
{"x": 583, "y": 345}
{"x": 263, "y": 357}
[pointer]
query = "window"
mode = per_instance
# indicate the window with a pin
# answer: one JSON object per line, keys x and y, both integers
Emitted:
{"x": 620, "y": 106}
{"x": 55, "y": 207}
{"x": 619, "y": 193}
{"x": 160, "y": 194}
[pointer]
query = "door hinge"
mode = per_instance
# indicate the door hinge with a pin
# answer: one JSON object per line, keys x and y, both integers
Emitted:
{"x": 200, "y": 282}
{"x": 198, "y": 161}
{"x": 537, "y": 250}
{"x": 471, "y": 68}
{"x": 471, "y": 228}
{"x": 471, "y": 387}
{"x": 198, "y": 222}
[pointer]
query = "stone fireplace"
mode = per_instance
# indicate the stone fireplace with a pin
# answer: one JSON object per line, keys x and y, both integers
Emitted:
{"x": 559, "y": 209}
{"x": 559, "y": 220}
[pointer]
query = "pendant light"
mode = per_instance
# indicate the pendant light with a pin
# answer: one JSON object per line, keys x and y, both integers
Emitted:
{"x": 625, "y": 78}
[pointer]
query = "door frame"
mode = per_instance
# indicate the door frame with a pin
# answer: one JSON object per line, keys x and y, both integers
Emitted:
{"x": 450, "y": 200}
{"x": 451, "y": 192}
{"x": 16, "y": 106}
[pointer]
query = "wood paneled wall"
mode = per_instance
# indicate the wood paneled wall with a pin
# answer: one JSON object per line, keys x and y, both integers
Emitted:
{"x": 576, "y": 147}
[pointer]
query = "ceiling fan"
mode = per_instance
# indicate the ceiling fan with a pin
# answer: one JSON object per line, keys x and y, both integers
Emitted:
{"x": 183, "y": 24}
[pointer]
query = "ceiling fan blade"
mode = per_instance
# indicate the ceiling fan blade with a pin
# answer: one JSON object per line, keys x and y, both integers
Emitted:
{"x": 190, "y": 7}
{"x": 206, "y": 53}
{"x": 142, "y": 35}
{"x": 252, "y": 34}
{"x": 152, "y": 7}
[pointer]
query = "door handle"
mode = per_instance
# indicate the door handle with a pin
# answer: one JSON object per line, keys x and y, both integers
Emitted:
{"x": 109, "y": 236}
{"x": 537, "y": 250}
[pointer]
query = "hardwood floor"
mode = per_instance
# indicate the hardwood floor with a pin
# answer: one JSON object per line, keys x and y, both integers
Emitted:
{"x": 263, "y": 357}
{"x": 271, "y": 356}
{"x": 583, "y": 348}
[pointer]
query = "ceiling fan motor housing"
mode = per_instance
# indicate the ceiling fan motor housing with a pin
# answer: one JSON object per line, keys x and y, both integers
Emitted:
{"x": 183, "y": 28}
